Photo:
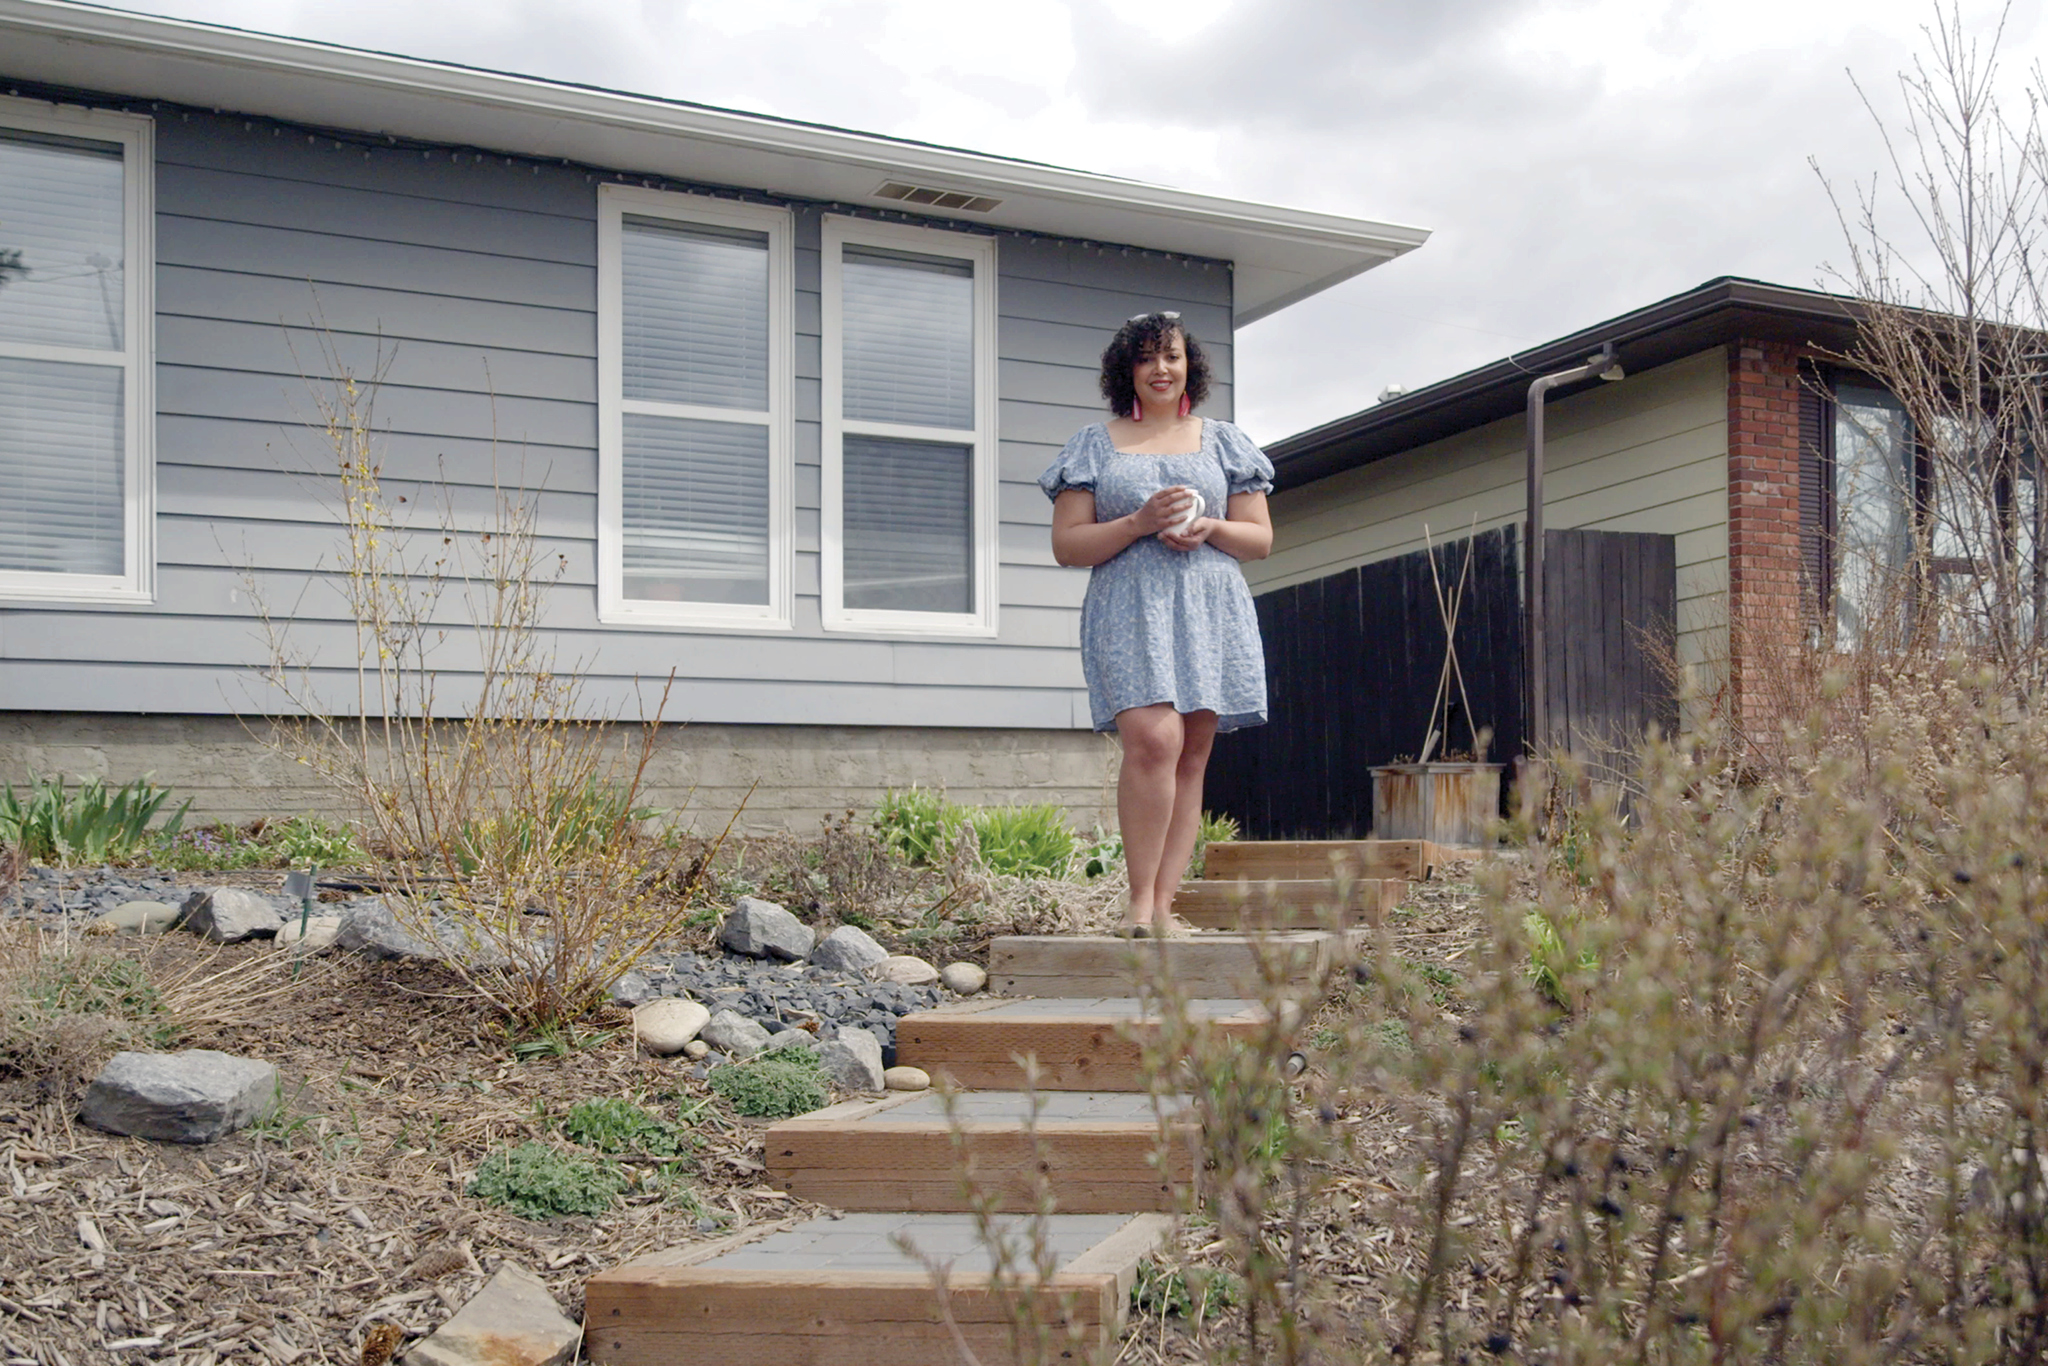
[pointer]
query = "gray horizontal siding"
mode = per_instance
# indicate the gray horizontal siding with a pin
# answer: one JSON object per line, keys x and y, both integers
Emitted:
{"x": 474, "y": 284}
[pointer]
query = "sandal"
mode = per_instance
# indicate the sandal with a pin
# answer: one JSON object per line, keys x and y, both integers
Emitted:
{"x": 1176, "y": 928}
{"x": 1133, "y": 930}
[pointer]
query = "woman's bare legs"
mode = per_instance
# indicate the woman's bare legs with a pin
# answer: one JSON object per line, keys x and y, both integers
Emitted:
{"x": 1159, "y": 801}
{"x": 1198, "y": 733}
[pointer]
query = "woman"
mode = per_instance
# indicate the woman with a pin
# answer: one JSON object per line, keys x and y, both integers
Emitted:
{"x": 1169, "y": 643}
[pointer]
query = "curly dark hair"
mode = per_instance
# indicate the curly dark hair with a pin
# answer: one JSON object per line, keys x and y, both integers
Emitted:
{"x": 1139, "y": 338}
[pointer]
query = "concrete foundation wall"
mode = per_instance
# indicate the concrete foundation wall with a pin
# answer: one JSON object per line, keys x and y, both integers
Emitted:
{"x": 804, "y": 772}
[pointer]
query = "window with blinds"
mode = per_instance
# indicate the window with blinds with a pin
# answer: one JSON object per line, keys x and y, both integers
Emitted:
{"x": 694, "y": 360}
{"x": 909, "y": 446}
{"x": 74, "y": 378}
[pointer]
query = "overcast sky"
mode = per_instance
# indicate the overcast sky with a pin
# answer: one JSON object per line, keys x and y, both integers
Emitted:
{"x": 1575, "y": 158}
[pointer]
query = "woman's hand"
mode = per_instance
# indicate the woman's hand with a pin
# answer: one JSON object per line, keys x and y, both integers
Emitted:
{"x": 1162, "y": 510}
{"x": 1195, "y": 535}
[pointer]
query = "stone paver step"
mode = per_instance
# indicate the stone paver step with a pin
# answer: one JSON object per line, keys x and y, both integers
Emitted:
{"x": 1198, "y": 966}
{"x": 1408, "y": 860}
{"x": 1080, "y": 1044}
{"x": 1096, "y": 1151}
{"x": 838, "y": 1291}
{"x": 1289, "y": 903}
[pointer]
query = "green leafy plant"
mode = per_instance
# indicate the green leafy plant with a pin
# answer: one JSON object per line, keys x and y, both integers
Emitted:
{"x": 92, "y": 823}
{"x": 537, "y": 1181}
{"x": 1103, "y": 854}
{"x": 571, "y": 820}
{"x": 919, "y": 822}
{"x": 1213, "y": 828}
{"x": 1024, "y": 841}
{"x": 1196, "y": 1293}
{"x": 1551, "y": 963}
{"x": 612, "y": 1124}
{"x": 778, "y": 1085}
{"x": 308, "y": 840}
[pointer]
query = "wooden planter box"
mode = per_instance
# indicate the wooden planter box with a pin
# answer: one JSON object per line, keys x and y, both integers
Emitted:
{"x": 1450, "y": 803}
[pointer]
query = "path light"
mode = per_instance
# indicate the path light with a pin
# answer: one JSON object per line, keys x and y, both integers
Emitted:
{"x": 1607, "y": 365}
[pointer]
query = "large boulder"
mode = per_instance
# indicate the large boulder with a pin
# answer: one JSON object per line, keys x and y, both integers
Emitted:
{"x": 666, "y": 1025}
{"x": 853, "y": 1059}
{"x": 512, "y": 1321}
{"x": 228, "y": 915}
{"x": 848, "y": 949}
{"x": 733, "y": 1034}
{"x": 762, "y": 929}
{"x": 192, "y": 1097}
{"x": 369, "y": 927}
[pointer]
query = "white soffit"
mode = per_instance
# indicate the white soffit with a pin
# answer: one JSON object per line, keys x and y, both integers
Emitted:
{"x": 1282, "y": 255}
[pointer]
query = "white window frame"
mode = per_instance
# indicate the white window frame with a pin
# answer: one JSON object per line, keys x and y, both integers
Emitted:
{"x": 614, "y": 202}
{"x": 837, "y": 233}
{"x": 136, "y": 583}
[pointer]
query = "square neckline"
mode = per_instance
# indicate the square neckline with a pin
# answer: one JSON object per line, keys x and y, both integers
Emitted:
{"x": 1202, "y": 444}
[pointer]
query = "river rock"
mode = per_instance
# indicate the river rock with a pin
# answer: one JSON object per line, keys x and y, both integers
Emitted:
{"x": 228, "y": 915}
{"x": 762, "y": 929}
{"x": 906, "y": 1079}
{"x": 667, "y": 1025}
{"x": 512, "y": 1321}
{"x": 136, "y": 917}
{"x": 195, "y": 1096}
{"x": 632, "y": 989}
{"x": 848, "y": 949}
{"x": 853, "y": 1060}
{"x": 904, "y": 970}
{"x": 320, "y": 932}
{"x": 368, "y": 927}
{"x": 963, "y": 978}
{"x": 734, "y": 1034}
{"x": 696, "y": 1048}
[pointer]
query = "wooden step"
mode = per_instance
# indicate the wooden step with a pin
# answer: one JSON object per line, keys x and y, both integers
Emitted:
{"x": 1079, "y": 1044}
{"x": 1408, "y": 860}
{"x": 837, "y": 1291}
{"x": 1289, "y": 903}
{"x": 1200, "y": 966}
{"x": 1095, "y": 1150}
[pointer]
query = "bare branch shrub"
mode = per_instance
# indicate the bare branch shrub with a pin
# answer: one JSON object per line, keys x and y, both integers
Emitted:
{"x": 504, "y": 805}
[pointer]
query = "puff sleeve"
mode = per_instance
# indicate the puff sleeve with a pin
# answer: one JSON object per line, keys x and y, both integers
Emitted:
{"x": 1245, "y": 467}
{"x": 1075, "y": 467}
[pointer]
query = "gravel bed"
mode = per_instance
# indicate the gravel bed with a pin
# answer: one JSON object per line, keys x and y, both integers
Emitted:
{"x": 778, "y": 996}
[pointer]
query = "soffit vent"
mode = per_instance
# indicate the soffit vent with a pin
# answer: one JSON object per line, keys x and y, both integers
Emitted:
{"x": 936, "y": 199}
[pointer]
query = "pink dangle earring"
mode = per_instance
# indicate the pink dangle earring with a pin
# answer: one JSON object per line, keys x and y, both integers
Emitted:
{"x": 1185, "y": 406}
{"x": 1137, "y": 410}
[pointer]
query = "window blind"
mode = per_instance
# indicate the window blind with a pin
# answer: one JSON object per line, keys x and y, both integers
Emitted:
{"x": 695, "y": 510}
{"x": 61, "y": 502}
{"x": 694, "y": 314}
{"x": 61, "y": 281}
{"x": 907, "y": 526}
{"x": 908, "y": 338}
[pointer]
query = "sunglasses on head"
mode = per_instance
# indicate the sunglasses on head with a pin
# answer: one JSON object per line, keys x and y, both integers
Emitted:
{"x": 1169, "y": 316}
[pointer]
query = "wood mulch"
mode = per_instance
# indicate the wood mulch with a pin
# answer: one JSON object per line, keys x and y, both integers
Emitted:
{"x": 289, "y": 1243}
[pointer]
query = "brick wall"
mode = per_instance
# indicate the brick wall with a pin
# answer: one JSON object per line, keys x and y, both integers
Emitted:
{"x": 1764, "y": 571}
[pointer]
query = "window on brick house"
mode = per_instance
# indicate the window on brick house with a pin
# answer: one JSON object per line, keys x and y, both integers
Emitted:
{"x": 1890, "y": 514}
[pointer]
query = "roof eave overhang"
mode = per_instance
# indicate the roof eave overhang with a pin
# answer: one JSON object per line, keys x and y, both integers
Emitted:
{"x": 1715, "y": 314}
{"x": 1280, "y": 255}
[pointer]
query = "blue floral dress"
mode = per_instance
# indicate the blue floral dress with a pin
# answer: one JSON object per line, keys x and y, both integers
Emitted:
{"x": 1159, "y": 624}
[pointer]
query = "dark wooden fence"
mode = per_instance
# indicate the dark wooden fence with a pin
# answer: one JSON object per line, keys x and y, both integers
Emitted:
{"x": 1613, "y": 600}
{"x": 1352, "y": 663}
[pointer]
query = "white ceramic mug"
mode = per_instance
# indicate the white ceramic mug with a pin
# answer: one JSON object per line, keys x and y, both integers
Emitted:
{"x": 1185, "y": 523}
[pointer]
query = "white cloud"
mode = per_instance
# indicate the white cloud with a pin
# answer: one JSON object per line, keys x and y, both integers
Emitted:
{"x": 1577, "y": 158}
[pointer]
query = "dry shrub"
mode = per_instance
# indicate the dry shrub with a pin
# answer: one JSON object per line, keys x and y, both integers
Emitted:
{"x": 504, "y": 805}
{"x": 1796, "y": 1109}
